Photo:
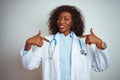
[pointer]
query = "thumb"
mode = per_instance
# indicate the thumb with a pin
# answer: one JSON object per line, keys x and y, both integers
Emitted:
{"x": 91, "y": 31}
{"x": 39, "y": 33}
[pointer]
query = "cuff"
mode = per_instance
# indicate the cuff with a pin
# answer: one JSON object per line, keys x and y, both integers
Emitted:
{"x": 23, "y": 52}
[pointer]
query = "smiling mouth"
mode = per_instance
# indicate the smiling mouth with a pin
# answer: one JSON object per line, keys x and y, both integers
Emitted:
{"x": 61, "y": 26}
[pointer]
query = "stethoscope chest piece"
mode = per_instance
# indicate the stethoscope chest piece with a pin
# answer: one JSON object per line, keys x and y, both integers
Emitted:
{"x": 83, "y": 52}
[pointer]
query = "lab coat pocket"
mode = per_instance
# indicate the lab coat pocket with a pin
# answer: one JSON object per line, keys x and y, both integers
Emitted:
{"x": 81, "y": 69}
{"x": 50, "y": 65}
{"x": 80, "y": 61}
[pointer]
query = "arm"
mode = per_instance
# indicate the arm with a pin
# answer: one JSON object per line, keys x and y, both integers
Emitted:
{"x": 99, "y": 59}
{"x": 31, "y": 58}
{"x": 99, "y": 55}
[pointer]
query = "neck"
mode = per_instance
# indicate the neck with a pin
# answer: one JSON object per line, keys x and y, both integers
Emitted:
{"x": 66, "y": 33}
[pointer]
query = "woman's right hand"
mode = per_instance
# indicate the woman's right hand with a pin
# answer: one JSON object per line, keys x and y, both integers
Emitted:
{"x": 35, "y": 40}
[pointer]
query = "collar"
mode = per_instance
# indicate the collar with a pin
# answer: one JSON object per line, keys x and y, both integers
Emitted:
{"x": 71, "y": 34}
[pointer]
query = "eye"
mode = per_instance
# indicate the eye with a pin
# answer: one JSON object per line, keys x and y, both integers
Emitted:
{"x": 66, "y": 18}
{"x": 59, "y": 18}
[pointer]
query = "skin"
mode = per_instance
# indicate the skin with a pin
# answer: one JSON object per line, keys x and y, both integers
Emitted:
{"x": 35, "y": 40}
{"x": 93, "y": 39}
{"x": 64, "y": 23}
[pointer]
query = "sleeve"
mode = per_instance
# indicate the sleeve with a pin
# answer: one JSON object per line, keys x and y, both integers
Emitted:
{"x": 100, "y": 61}
{"x": 31, "y": 59}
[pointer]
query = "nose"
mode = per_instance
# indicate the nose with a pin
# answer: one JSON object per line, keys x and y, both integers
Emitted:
{"x": 61, "y": 21}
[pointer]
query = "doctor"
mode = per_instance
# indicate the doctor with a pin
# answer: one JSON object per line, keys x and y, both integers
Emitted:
{"x": 66, "y": 54}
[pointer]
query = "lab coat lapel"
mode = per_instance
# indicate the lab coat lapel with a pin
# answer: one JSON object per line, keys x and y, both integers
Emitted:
{"x": 56, "y": 52}
{"x": 56, "y": 57}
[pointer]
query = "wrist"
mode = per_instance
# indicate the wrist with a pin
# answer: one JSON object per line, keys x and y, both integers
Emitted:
{"x": 104, "y": 46}
{"x": 27, "y": 46}
{"x": 101, "y": 45}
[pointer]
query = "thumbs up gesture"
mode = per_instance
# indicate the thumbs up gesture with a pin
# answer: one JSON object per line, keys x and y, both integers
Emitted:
{"x": 93, "y": 39}
{"x": 35, "y": 40}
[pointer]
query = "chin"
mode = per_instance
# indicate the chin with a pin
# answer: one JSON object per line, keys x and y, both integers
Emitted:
{"x": 61, "y": 31}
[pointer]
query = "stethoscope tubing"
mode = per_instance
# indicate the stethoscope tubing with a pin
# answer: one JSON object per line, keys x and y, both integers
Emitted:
{"x": 53, "y": 44}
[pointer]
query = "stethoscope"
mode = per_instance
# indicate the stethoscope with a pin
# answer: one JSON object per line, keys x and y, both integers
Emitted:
{"x": 51, "y": 49}
{"x": 53, "y": 44}
{"x": 82, "y": 51}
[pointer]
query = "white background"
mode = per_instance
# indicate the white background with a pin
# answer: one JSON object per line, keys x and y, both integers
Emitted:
{"x": 21, "y": 19}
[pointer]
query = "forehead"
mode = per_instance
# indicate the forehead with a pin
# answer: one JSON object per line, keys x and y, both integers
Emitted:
{"x": 65, "y": 14}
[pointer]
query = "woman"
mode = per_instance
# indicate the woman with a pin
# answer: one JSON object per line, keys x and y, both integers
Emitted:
{"x": 65, "y": 54}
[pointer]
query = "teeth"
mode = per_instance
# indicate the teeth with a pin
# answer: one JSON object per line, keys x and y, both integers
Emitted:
{"x": 61, "y": 26}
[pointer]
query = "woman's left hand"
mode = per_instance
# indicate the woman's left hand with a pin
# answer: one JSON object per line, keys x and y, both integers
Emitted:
{"x": 93, "y": 39}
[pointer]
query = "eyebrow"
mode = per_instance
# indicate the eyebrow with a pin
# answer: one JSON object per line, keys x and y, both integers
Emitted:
{"x": 65, "y": 16}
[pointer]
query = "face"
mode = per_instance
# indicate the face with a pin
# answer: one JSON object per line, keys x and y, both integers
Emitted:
{"x": 64, "y": 22}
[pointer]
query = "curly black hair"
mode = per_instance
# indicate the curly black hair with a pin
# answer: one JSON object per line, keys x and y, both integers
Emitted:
{"x": 77, "y": 18}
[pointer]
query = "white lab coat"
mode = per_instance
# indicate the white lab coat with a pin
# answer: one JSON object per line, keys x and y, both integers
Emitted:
{"x": 80, "y": 64}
